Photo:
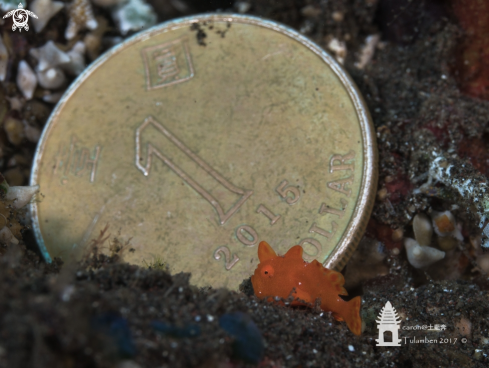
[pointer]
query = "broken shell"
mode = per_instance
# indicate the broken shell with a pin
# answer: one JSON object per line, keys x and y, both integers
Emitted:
{"x": 52, "y": 78}
{"x": 81, "y": 17}
{"x": 21, "y": 195}
{"x": 7, "y": 237}
{"x": 445, "y": 225}
{"x": 421, "y": 256}
{"x": 26, "y": 80}
{"x": 14, "y": 129}
{"x": 77, "y": 59}
{"x": 368, "y": 50}
{"x": 134, "y": 15}
{"x": 3, "y": 60}
{"x": 49, "y": 56}
{"x": 45, "y": 10}
{"x": 422, "y": 228}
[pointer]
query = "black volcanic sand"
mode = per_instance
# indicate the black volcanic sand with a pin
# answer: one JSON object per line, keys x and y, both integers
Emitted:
{"x": 102, "y": 312}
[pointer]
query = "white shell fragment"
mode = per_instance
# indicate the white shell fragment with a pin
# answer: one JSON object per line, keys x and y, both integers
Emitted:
{"x": 45, "y": 10}
{"x": 339, "y": 49}
{"x": 368, "y": 50}
{"x": 52, "y": 78}
{"x": 49, "y": 56}
{"x": 81, "y": 17}
{"x": 26, "y": 79}
{"x": 422, "y": 229}
{"x": 21, "y": 195}
{"x": 77, "y": 59}
{"x": 421, "y": 256}
{"x": 7, "y": 237}
{"x": 134, "y": 15}
{"x": 445, "y": 224}
{"x": 3, "y": 60}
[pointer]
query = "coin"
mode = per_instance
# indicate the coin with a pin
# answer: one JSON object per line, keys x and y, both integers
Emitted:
{"x": 199, "y": 138}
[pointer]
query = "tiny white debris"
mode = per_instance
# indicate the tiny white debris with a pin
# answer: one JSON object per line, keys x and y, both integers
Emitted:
{"x": 7, "y": 237}
{"x": 26, "y": 79}
{"x": 368, "y": 50}
{"x": 339, "y": 49}
{"x": 210, "y": 318}
{"x": 67, "y": 293}
{"x": 421, "y": 256}
{"x": 51, "y": 78}
{"x": 3, "y": 60}
{"x": 45, "y": 10}
{"x": 77, "y": 59}
{"x": 21, "y": 195}
{"x": 81, "y": 17}
{"x": 49, "y": 56}
{"x": 351, "y": 348}
{"x": 133, "y": 15}
{"x": 242, "y": 6}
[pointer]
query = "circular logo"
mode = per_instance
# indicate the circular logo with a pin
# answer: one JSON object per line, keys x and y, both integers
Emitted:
{"x": 20, "y": 17}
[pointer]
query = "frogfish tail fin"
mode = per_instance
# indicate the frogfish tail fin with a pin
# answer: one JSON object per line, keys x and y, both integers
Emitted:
{"x": 352, "y": 315}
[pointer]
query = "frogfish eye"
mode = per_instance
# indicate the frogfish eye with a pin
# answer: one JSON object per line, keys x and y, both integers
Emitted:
{"x": 267, "y": 271}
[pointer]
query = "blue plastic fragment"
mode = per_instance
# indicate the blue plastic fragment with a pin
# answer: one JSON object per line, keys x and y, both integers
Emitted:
{"x": 189, "y": 330}
{"x": 118, "y": 330}
{"x": 248, "y": 341}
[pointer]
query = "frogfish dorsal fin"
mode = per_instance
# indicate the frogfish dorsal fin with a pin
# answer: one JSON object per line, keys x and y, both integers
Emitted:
{"x": 336, "y": 279}
{"x": 294, "y": 252}
{"x": 265, "y": 251}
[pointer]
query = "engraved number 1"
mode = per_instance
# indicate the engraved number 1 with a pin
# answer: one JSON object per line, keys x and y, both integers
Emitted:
{"x": 151, "y": 150}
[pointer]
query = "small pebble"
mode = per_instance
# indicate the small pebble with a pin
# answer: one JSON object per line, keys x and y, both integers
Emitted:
{"x": 26, "y": 79}
{"x": 14, "y": 129}
{"x": 421, "y": 256}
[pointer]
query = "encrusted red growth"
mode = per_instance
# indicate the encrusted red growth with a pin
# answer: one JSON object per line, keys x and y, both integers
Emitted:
{"x": 398, "y": 188}
{"x": 475, "y": 150}
{"x": 383, "y": 233}
{"x": 472, "y": 67}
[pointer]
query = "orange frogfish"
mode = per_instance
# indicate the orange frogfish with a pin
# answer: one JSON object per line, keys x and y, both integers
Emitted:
{"x": 278, "y": 275}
